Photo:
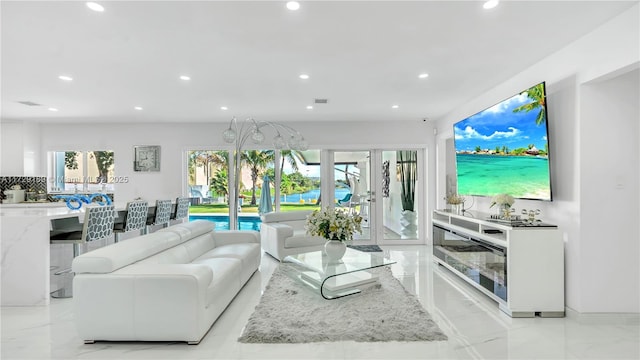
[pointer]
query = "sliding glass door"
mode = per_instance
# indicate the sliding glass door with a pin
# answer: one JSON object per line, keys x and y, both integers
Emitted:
{"x": 384, "y": 187}
{"x": 352, "y": 191}
{"x": 400, "y": 197}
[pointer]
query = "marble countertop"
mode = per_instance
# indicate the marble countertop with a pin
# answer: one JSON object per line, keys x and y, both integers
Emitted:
{"x": 53, "y": 211}
{"x": 36, "y": 204}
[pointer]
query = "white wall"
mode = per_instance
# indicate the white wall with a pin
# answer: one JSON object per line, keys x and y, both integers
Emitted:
{"x": 20, "y": 155}
{"x": 596, "y": 279}
{"x": 609, "y": 208}
{"x": 174, "y": 139}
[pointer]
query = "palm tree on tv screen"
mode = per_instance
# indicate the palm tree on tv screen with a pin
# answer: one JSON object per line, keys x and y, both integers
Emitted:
{"x": 536, "y": 94}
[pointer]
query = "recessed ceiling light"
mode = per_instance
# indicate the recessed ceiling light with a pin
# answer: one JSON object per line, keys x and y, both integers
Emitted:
{"x": 224, "y": 108}
{"x": 304, "y": 76}
{"x": 53, "y": 109}
{"x": 395, "y": 106}
{"x": 490, "y": 4}
{"x": 95, "y": 6}
{"x": 65, "y": 78}
{"x": 309, "y": 107}
{"x": 138, "y": 108}
{"x": 423, "y": 76}
{"x": 293, "y": 5}
{"x": 184, "y": 77}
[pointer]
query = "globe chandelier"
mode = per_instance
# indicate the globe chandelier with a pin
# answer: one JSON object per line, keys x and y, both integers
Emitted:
{"x": 285, "y": 137}
{"x": 252, "y": 129}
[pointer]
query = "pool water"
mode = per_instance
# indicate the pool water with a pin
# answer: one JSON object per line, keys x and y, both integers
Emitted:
{"x": 222, "y": 221}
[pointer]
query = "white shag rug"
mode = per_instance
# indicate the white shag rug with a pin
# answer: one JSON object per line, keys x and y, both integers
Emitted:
{"x": 291, "y": 312}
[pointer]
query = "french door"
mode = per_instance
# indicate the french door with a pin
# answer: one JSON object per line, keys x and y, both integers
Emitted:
{"x": 386, "y": 188}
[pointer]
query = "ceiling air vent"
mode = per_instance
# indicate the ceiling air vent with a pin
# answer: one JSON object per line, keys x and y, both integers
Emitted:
{"x": 29, "y": 103}
{"x": 320, "y": 101}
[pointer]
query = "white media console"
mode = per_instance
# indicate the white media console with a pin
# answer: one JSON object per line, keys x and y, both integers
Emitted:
{"x": 518, "y": 265}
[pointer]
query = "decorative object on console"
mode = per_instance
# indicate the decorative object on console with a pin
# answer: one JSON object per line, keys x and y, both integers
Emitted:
{"x": 530, "y": 216}
{"x": 504, "y": 203}
{"x": 455, "y": 203}
{"x": 146, "y": 158}
{"x": 79, "y": 199}
{"x": 336, "y": 226}
{"x": 251, "y": 128}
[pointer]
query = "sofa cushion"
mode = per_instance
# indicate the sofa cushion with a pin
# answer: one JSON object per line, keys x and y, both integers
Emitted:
{"x": 226, "y": 277}
{"x": 245, "y": 252}
{"x": 200, "y": 245}
{"x": 116, "y": 256}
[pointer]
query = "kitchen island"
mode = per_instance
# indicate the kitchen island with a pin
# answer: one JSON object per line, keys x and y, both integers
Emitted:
{"x": 25, "y": 250}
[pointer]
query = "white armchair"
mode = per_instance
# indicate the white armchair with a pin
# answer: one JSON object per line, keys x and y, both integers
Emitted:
{"x": 283, "y": 234}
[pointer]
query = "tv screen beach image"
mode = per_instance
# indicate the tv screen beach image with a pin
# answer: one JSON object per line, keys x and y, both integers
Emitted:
{"x": 504, "y": 149}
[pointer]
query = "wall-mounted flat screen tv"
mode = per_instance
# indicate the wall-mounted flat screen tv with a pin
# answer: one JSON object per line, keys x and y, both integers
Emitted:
{"x": 505, "y": 149}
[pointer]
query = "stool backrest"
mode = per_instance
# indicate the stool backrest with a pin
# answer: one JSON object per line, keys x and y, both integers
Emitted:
{"x": 163, "y": 212}
{"x": 182, "y": 208}
{"x": 98, "y": 222}
{"x": 136, "y": 218}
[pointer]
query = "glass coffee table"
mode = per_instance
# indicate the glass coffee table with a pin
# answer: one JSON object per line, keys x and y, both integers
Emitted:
{"x": 336, "y": 279}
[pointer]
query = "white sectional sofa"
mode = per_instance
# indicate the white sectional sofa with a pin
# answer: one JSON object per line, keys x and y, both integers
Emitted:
{"x": 170, "y": 285}
{"x": 283, "y": 234}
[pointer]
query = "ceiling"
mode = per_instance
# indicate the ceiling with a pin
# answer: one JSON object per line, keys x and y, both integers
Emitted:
{"x": 362, "y": 56}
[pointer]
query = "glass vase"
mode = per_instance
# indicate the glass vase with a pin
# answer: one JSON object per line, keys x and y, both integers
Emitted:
{"x": 503, "y": 211}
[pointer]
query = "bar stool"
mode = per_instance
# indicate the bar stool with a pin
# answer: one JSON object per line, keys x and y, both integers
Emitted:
{"x": 135, "y": 219}
{"x": 98, "y": 225}
{"x": 162, "y": 216}
{"x": 182, "y": 210}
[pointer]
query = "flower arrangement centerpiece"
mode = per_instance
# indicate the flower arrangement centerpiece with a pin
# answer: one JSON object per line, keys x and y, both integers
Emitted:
{"x": 333, "y": 224}
{"x": 336, "y": 226}
{"x": 504, "y": 202}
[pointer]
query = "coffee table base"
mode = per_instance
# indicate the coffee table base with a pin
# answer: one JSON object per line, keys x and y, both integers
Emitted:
{"x": 340, "y": 285}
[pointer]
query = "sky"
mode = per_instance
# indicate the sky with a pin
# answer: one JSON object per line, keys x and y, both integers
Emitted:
{"x": 500, "y": 126}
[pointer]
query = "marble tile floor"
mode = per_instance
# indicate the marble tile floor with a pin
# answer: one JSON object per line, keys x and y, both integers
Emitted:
{"x": 475, "y": 326}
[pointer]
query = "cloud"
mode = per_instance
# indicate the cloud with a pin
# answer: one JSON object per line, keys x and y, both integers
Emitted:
{"x": 509, "y": 104}
{"x": 471, "y": 133}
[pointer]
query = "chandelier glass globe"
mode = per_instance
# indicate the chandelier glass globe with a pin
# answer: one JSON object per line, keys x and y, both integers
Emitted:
{"x": 229, "y": 135}
{"x": 257, "y": 137}
{"x": 278, "y": 142}
{"x": 303, "y": 145}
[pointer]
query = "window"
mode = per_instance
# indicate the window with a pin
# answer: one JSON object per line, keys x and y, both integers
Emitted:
{"x": 82, "y": 171}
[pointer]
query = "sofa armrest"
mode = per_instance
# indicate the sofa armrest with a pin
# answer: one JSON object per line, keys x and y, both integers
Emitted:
{"x": 228, "y": 237}
{"x": 276, "y": 231}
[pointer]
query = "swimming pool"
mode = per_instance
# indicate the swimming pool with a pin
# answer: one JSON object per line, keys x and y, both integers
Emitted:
{"x": 222, "y": 221}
